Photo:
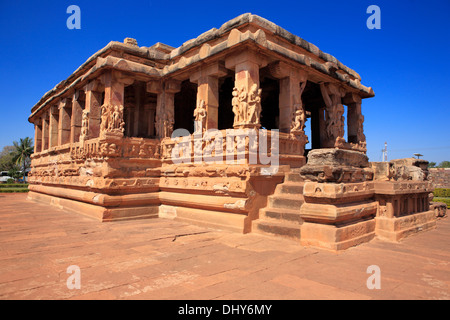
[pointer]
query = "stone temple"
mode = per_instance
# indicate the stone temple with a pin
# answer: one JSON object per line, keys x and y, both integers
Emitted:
{"x": 241, "y": 97}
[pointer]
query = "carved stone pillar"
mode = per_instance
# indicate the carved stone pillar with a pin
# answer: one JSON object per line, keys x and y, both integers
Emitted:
{"x": 112, "y": 122}
{"x": 38, "y": 135}
{"x": 334, "y": 115}
{"x": 53, "y": 126}
{"x": 246, "y": 93}
{"x": 64, "y": 123}
{"x": 156, "y": 88}
{"x": 292, "y": 84}
{"x": 150, "y": 112}
{"x": 207, "y": 80}
{"x": 45, "y": 130}
{"x": 75, "y": 121}
{"x": 165, "y": 109}
{"x": 355, "y": 119}
{"x": 92, "y": 109}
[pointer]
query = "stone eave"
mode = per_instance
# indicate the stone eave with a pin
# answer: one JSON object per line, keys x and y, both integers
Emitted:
{"x": 142, "y": 52}
{"x": 313, "y": 59}
{"x": 325, "y": 71}
{"x": 101, "y": 64}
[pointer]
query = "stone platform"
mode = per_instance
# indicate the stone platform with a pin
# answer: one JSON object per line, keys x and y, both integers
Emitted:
{"x": 165, "y": 259}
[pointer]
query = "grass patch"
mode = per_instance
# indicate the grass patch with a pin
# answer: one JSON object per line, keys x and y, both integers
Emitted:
{"x": 13, "y": 185}
{"x": 11, "y": 190}
{"x": 444, "y": 200}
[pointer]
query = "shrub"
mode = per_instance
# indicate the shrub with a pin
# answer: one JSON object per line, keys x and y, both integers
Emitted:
{"x": 441, "y": 192}
{"x": 13, "y": 185}
{"x": 10, "y": 190}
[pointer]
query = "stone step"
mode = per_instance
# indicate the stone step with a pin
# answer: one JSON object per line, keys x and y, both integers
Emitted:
{"x": 281, "y": 229}
{"x": 287, "y": 215}
{"x": 286, "y": 201}
{"x": 289, "y": 187}
{"x": 293, "y": 177}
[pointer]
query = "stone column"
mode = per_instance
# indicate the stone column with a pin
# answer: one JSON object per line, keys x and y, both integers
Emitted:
{"x": 53, "y": 126}
{"x": 334, "y": 116}
{"x": 292, "y": 84}
{"x": 246, "y": 94}
{"x": 165, "y": 109}
{"x": 92, "y": 108}
{"x": 150, "y": 114}
{"x": 207, "y": 80}
{"x": 156, "y": 88}
{"x": 45, "y": 129}
{"x": 355, "y": 119}
{"x": 75, "y": 120}
{"x": 38, "y": 135}
{"x": 64, "y": 123}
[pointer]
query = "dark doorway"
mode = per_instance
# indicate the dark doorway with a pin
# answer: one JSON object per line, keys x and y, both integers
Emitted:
{"x": 185, "y": 102}
{"x": 270, "y": 93}
{"x": 226, "y": 115}
{"x": 315, "y": 111}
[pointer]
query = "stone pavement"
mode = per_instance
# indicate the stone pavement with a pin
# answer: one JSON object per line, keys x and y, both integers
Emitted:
{"x": 165, "y": 259}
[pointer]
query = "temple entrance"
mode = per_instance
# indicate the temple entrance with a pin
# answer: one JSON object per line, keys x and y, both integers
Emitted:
{"x": 139, "y": 111}
{"x": 185, "y": 102}
{"x": 315, "y": 112}
{"x": 225, "y": 114}
{"x": 270, "y": 114}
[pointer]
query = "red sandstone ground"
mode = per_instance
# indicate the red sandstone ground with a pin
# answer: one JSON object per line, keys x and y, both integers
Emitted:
{"x": 165, "y": 259}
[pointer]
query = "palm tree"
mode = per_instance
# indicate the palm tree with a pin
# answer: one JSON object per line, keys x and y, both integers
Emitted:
{"x": 22, "y": 154}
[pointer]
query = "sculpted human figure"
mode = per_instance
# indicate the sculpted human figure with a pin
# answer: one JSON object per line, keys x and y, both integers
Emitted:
{"x": 116, "y": 118}
{"x": 104, "y": 118}
{"x": 200, "y": 116}
{"x": 242, "y": 106}
{"x": 85, "y": 123}
{"x": 335, "y": 110}
{"x": 235, "y": 104}
{"x": 254, "y": 104}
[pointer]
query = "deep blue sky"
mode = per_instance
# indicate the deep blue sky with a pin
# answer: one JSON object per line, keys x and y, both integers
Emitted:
{"x": 406, "y": 62}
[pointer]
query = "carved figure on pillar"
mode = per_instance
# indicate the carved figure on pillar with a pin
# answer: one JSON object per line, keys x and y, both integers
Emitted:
{"x": 332, "y": 96}
{"x": 242, "y": 105}
{"x": 235, "y": 104}
{"x": 254, "y": 104}
{"x": 200, "y": 117}
{"x": 112, "y": 119}
{"x": 84, "y": 125}
{"x": 167, "y": 124}
{"x": 361, "y": 137}
{"x": 246, "y": 106}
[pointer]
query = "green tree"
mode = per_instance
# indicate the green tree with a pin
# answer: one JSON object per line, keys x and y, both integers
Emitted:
{"x": 444, "y": 164}
{"x": 432, "y": 164}
{"x": 6, "y": 158}
{"x": 22, "y": 154}
{"x": 14, "y": 172}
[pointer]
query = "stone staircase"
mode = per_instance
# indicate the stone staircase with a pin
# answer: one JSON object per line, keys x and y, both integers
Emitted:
{"x": 281, "y": 217}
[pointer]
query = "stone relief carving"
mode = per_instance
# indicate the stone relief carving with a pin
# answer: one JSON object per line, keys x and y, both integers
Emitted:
{"x": 84, "y": 125}
{"x": 246, "y": 105}
{"x": 332, "y": 95}
{"x": 200, "y": 117}
{"x": 112, "y": 119}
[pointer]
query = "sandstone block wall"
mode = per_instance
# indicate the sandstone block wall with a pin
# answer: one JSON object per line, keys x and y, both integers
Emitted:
{"x": 440, "y": 177}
